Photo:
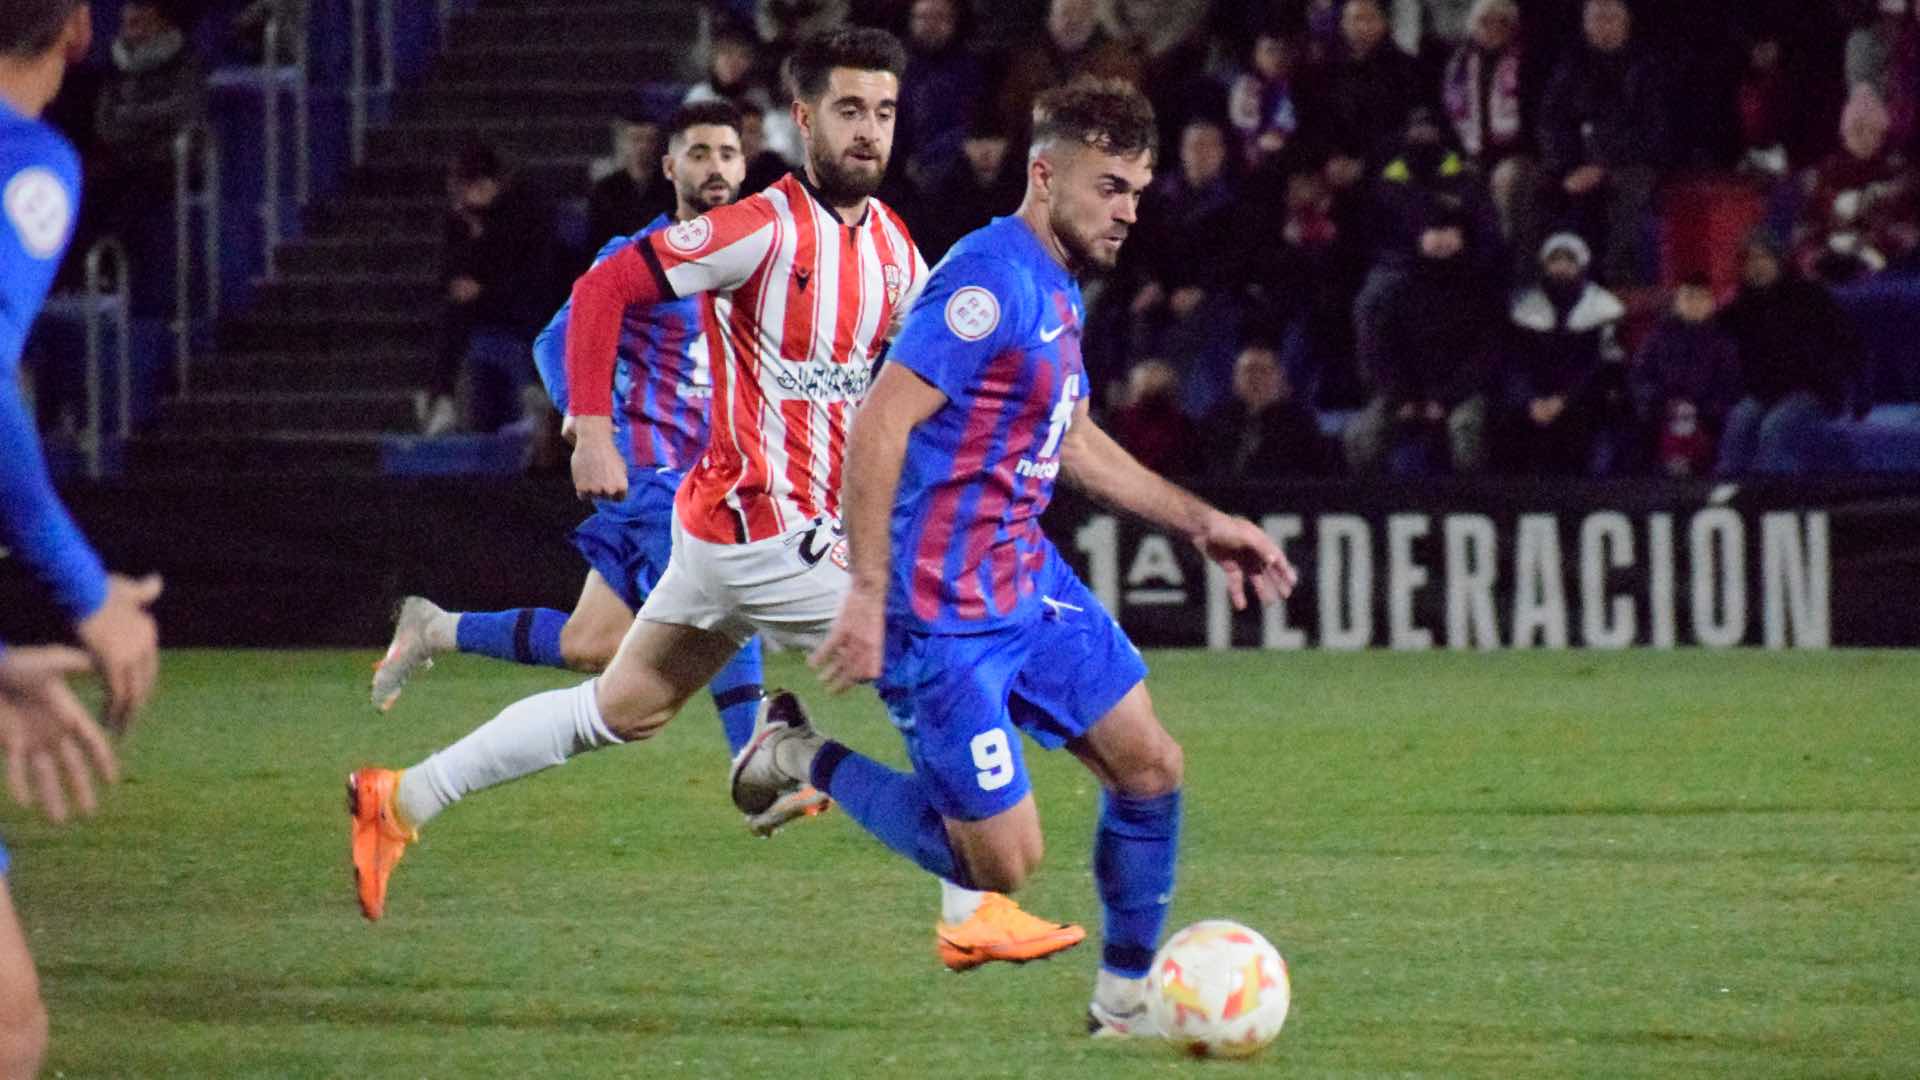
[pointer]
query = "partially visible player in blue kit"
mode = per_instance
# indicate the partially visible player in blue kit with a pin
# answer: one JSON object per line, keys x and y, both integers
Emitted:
{"x": 53, "y": 747}
{"x": 663, "y": 384}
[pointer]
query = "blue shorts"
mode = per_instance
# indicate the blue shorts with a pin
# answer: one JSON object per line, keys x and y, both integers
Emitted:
{"x": 629, "y": 541}
{"x": 961, "y": 700}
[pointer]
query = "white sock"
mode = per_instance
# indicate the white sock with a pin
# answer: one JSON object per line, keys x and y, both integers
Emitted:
{"x": 1119, "y": 994}
{"x": 957, "y": 905}
{"x": 529, "y": 735}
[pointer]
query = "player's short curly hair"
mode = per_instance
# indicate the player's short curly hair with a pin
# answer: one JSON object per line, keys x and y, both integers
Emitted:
{"x": 1110, "y": 115}
{"x": 31, "y": 27}
{"x": 862, "y": 48}
{"x": 701, "y": 113}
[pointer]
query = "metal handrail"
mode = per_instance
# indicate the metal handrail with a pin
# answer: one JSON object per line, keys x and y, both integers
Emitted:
{"x": 358, "y": 89}
{"x": 93, "y": 438}
{"x": 184, "y": 204}
{"x": 294, "y": 46}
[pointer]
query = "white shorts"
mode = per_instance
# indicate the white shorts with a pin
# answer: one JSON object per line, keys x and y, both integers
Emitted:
{"x": 786, "y": 589}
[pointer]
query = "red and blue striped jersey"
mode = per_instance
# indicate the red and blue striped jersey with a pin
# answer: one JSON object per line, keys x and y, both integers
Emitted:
{"x": 662, "y": 380}
{"x": 998, "y": 332}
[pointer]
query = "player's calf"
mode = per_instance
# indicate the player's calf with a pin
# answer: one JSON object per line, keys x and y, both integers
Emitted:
{"x": 1001, "y": 852}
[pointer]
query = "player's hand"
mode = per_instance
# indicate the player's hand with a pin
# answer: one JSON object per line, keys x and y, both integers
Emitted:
{"x": 1247, "y": 554}
{"x": 53, "y": 747}
{"x": 125, "y": 645}
{"x": 856, "y": 643}
{"x": 598, "y": 472}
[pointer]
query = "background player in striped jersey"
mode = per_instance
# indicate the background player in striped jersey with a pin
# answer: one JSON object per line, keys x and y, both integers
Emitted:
{"x": 799, "y": 287}
{"x": 662, "y": 382}
{"x": 52, "y": 745}
{"x": 975, "y": 627}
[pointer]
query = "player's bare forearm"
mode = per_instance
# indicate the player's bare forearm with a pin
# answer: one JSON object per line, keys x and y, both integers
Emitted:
{"x": 1102, "y": 468}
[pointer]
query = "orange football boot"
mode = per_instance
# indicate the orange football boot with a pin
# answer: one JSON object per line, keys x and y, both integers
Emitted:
{"x": 378, "y": 837}
{"x": 999, "y": 930}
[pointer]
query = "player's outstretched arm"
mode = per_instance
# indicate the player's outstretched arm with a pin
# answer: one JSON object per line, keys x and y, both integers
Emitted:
{"x": 1102, "y": 468}
{"x": 125, "y": 644}
{"x": 876, "y": 448}
{"x": 53, "y": 747}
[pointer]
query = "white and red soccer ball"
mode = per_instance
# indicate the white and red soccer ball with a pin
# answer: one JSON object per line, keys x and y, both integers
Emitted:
{"x": 1219, "y": 989}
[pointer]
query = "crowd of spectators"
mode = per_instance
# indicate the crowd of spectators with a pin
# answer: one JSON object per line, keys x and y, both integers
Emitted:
{"x": 1429, "y": 229}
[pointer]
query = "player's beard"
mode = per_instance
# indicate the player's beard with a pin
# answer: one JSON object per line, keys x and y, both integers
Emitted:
{"x": 838, "y": 181}
{"x": 704, "y": 197}
{"x": 1083, "y": 252}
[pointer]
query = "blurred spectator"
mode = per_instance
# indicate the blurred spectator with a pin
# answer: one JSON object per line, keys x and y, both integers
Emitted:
{"x": 497, "y": 270}
{"x": 1863, "y": 209}
{"x": 1424, "y": 181}
{"x": 1261, "y": 102}
{"x": 939, "y": 90}
{"x": 1885, "y": 54}
{"x": 1302, "y": 271}
{"x": 1763, "y": 102}
{"x": 635, "y": 192}
{"x": 893, "y": 16}
{"x": 733, "y": 75}
{"x": 984, "y": 182}
{"x": 1151, "y": 424}
{"x": 764, "y": 167}
{"x": 782, "y": 23}
{"x": 1180, "y": 262}
{"x": 1169, "y": 36}
{"x": 1262, "y": 432}
{"x": 157, "y": 90}
{"x": 1438, "y": 337}
{"x": 1798, "y": 359}
{"x": 1360, "y": 104}
{"x": 1603, "y": 137}
{"x": 1074, "y": 45}
{"x": 1565, "y": 378}
{"x": 1481, "y": 93}
{"x": 1685, "y": 379}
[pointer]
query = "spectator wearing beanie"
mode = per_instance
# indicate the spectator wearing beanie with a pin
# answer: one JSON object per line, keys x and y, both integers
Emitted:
{"x": 1437, "y": 342}
{"x": 1798, "y": 359}
{"x": 1563, "y": 366}
{"x": 1603, "y": 137}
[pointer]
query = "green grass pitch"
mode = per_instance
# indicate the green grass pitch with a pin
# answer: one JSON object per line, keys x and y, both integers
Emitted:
{"x": 1518, "y": 865}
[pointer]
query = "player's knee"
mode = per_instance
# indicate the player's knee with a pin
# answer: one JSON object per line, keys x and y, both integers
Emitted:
{"x": 1158, "y": 770}
{"x": 633, "y": 710}
{"x": 587, "y": 649}
{"x": 23, "y": 1039}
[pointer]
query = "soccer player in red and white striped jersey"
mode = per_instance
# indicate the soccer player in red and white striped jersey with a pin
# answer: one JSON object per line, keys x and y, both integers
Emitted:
{"x": 799, "y": 288}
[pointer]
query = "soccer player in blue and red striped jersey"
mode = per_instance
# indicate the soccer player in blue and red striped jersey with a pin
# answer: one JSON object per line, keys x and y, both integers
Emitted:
{"x": 973, "y": 624}
{"x": 662, "y": 386}
{"x": 52, "y": 745}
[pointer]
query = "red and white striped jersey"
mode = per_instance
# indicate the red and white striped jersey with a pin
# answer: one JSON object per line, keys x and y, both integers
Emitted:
{"x": 798, "y": 304}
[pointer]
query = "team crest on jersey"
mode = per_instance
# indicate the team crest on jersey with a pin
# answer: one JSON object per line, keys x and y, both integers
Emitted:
{"x": 690, "y": 236}
{"x": 896, "y": 281}
{"x": 972, "y": 313}
{"x": 40, "y": 209}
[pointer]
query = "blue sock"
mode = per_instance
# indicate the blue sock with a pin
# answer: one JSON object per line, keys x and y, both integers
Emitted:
{"x": 893, "y": 806}
{"x": 524, "y": 635}
{"x": 1134, "y": 851}
{"x": 736, "y": 694}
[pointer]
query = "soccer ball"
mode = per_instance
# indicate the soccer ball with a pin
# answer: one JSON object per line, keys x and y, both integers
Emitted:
{"x": 1219, "y": 989}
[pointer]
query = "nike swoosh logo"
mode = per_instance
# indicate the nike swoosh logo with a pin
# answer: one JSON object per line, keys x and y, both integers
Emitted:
{"x": 1047, "y": 336}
